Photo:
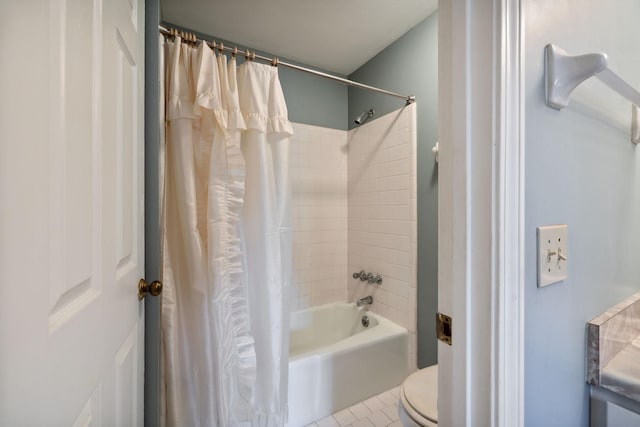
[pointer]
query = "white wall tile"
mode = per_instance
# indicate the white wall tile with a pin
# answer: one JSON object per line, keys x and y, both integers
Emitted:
{"x": 319, "y": 199}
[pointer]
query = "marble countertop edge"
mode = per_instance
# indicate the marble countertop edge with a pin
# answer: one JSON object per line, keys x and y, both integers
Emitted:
{"x": 613, "y": 348}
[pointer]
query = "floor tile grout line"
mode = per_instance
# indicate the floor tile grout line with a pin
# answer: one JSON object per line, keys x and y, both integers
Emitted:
{"x": 382, "y": 408}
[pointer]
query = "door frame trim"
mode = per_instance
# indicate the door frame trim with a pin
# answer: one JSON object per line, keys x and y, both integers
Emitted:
{"x": 481, "y": 212}
{"x": 508, "y": 255}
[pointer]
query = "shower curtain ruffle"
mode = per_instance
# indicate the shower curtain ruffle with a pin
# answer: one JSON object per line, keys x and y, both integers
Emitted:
{"x": 205, "y": 89}
{"x": 262, "y": 100}
{"x": 179, "y": 103}
{"x": 236, "y": 358}
{"x": 267, "y": 124}
{"x": 184, "y": 313}
{"x": 266, "y": 224}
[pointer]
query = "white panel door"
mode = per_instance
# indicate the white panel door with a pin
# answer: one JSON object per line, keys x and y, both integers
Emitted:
{"x": 71, "y": 212}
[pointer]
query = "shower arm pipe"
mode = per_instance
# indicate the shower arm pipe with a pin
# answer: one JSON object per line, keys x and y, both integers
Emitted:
{"x": 409, "y": 99}
{"x": 563, "y": 73}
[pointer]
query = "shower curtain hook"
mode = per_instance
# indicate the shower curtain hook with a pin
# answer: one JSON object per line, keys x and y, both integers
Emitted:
{"x": 274, "y": 62}
{"x": 220, "y": 47}
{"x": 235, "y": 51}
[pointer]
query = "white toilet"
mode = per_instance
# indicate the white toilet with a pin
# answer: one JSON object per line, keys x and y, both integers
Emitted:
{"x": 419, "y": 398}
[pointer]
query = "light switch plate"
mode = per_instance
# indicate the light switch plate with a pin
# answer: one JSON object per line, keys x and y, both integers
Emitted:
{"x": 552, "y": 254}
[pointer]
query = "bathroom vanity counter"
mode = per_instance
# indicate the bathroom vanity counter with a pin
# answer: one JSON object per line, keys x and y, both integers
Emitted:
{"x": 613, "y": 360}
{"x": 622, "y": 373}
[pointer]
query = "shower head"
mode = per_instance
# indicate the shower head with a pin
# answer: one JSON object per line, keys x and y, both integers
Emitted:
{"x": 364, "y": 117}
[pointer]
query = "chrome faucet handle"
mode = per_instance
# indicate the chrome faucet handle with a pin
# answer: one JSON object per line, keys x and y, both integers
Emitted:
{"x": 366, "y": 277}
{"x": 364, "y": 301}
{"x": 377, "y": 279}
{"x": 359, "y": 275}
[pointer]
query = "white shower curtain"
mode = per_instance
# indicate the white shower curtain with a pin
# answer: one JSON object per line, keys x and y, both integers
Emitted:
{"x": 226, "y": 241}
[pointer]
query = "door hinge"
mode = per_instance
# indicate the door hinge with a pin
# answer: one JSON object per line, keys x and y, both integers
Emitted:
{"x": 443, "y": 328}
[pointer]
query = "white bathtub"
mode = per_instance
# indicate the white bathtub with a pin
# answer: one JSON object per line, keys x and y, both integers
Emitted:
{"x": 334, "y": 361}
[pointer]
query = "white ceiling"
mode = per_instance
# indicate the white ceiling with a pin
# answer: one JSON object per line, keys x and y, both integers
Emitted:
{"x": 336, "y": 35}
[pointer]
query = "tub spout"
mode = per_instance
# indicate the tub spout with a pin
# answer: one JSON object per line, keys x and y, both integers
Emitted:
{"x": 365, "y": 301}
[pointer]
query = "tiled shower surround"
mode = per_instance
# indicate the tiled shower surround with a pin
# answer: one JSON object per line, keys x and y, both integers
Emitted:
{"x": 354, "y": 208}
{"x": 382, "y": 216}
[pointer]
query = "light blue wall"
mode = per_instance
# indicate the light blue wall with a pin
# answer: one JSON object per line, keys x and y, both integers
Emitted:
{"x": 410, "y": 66}
{"x": 310, "y": 99}
{"x": 581, "y": 170}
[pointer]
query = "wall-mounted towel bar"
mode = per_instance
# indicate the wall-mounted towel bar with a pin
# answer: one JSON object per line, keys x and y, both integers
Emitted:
{"x": 563, "y": 73}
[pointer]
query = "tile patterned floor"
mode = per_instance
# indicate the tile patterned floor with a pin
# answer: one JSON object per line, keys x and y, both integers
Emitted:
{"x": 377, "y": 411}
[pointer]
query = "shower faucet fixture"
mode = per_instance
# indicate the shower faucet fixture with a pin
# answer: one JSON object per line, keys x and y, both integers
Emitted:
{"x": 364, "y": 117}
{"x": 377, "y": 279}
{"x": 361, "y": 275}
{"x": 368, "y": 277}
{"x": 365, "y": 301}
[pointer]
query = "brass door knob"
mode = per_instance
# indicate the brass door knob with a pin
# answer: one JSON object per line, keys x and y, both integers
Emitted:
{"x": 155, "y": 288}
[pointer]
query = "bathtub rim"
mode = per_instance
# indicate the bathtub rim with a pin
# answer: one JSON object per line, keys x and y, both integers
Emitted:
{"x": 385, "y": 330}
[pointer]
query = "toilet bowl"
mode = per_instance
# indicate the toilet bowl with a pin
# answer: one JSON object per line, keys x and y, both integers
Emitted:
{"x": 419, "y": 399}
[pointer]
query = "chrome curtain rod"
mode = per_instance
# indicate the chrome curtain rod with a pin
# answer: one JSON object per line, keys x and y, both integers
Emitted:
{"x": 249, "y": 55}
